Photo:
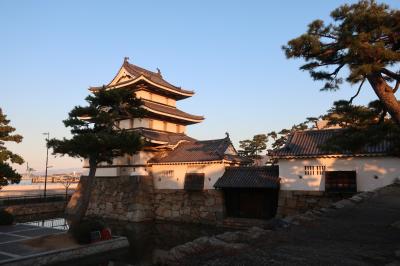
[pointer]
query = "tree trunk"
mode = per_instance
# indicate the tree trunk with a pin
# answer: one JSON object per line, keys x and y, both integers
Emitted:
{"x": 79, "y": 202}
{"x": 385, "y": 95}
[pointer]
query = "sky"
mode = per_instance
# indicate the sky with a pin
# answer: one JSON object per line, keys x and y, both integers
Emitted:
{"x": 229, "y": 52}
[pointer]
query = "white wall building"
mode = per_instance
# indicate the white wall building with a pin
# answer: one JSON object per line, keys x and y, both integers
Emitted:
{"x": 304, "y": 166}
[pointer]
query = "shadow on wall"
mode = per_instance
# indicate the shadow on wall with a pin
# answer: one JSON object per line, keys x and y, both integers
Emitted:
{"x": 173, "y": 176}
{"x": 372, "y": 172}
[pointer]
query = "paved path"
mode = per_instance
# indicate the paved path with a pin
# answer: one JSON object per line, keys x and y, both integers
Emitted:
{"x": 11, "y": 237}
{"x": 355, "y": 235}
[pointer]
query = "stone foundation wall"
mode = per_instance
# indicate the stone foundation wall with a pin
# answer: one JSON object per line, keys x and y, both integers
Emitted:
{"x": 133, "y": 198}
{"x": 126, "y": 198}
{"x": 292, "y": 202}
{"x": 189, "y": 206}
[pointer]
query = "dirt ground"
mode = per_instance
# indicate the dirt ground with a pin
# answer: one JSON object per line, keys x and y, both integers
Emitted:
{"x": 51, "y": 242}
{"x": 355, "y": 235}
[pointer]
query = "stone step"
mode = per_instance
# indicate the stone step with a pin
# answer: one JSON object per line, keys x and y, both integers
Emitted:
{"x": 243, "y": 223}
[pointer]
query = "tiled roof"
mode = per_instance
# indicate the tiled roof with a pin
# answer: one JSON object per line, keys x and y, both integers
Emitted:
{"x": 170, "y": 110}
{"x": 136, "y": 71}
{"x": 308, "y": 144}
{"x": 249, "y": 177}
{"x": 161, "y": 136}
{"x": 198, "y": 151}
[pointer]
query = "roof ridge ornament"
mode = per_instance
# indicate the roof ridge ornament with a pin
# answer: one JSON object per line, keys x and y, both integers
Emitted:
{"x": 159, "y": 72}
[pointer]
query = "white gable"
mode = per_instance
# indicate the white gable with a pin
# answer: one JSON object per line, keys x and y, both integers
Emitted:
{"x": 231, "y": 150}
{"x": 122, "y": 76}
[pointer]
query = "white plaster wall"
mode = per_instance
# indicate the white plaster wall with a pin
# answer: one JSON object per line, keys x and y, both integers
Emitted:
{"x": 212, "y": 173}
{"x": 125, "y": 124}
{"x": 112, "y": 171}
{"x": 141, "y": 122}
{"x": 142, "y": 94}
{"x": 157, "y": 124}
{"x": 170, "y": 127}
{"x": 155, "y": 97}
{"x": 137, "y": 122}
{"x": 139, "y": 158}
{"x": 385, "y": 168}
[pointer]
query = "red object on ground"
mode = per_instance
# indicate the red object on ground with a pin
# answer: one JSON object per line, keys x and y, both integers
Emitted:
{"x": 105, "y": 234}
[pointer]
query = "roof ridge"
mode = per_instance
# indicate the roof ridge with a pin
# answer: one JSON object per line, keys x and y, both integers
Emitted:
{"x": 211, "y": 140}
{"x": 142, "y": 69}
{"x": 316, "y": 130}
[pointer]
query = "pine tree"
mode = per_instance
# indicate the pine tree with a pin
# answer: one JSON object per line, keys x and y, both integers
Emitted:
{"x": 251, "y": 149}
{"x": 361, "y": 126}
{"x": 363, "y": 37}
{"x": 97, "y": 137}
{"x": 7, "y": 173}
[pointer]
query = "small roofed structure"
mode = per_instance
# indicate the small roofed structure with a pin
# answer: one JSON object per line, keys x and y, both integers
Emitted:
{"x": 249, "y": 177}
{"x": 306, "y": 167}
{"x": 250, "y": 192}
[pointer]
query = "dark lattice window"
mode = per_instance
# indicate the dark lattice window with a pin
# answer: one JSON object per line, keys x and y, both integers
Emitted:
{"x": 341, "y": 181}
{"x": 194, "y": 181}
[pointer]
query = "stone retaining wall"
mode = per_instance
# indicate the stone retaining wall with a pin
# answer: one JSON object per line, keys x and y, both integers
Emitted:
{"x": 36, "y": 208}
{"x": 205, "y": 206}
{"x": 292, "y": 202}
{"x": 133, "y": 198}
{"x": 126, "y": 198}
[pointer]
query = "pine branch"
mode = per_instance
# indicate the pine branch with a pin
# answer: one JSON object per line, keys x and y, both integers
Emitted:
{"x": 358, "y": 91}
{"x": 396, "y": 87}
{"x": 390, "y": 74}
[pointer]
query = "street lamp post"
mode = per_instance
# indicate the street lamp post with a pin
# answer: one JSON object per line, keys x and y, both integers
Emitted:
{"x": 47, "y": 163}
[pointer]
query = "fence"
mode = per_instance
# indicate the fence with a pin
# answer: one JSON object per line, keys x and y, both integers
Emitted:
{"x": 55, "y": 179}
{"x": 58, "y": 223}
{"x": 27, "y": 199}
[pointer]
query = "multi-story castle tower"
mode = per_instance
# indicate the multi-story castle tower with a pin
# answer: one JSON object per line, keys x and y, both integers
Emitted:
{"x": 164, "y": 125}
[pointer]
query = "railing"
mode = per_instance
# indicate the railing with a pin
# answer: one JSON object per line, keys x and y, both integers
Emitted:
{"x": 55, "y": 179}
{"x": 27, "y": 199}
{"x": 58, "y": 223}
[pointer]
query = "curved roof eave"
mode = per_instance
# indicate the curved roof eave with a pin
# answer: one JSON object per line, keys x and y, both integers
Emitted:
{"x": 184, "y": 93}
{"x": 174, "y": 116}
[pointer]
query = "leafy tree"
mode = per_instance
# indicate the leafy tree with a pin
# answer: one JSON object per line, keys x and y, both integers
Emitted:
{"x": 7, "y": 173}
{"x": 252, "y": 148}
{"x": 363, "y": 37}
{"x": 97, "y": 137}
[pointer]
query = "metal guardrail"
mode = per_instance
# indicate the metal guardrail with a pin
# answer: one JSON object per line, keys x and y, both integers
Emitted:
{"x": 58, "y": 223}
{"x": 55, "y": 179}
{"x": 27, "y": 199}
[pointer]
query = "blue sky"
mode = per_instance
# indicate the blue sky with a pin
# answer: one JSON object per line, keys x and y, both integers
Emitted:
{"x": 229, "y": 52}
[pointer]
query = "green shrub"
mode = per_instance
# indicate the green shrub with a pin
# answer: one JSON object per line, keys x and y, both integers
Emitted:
{"x": 82, "y": 231}
{"x": 6, "y": 218}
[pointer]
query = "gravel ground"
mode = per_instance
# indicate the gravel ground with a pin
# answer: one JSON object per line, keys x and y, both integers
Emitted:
{"x": 355, "y": 235}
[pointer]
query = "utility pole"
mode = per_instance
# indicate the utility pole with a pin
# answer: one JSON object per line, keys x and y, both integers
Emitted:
{"x": 47, "y": 163}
